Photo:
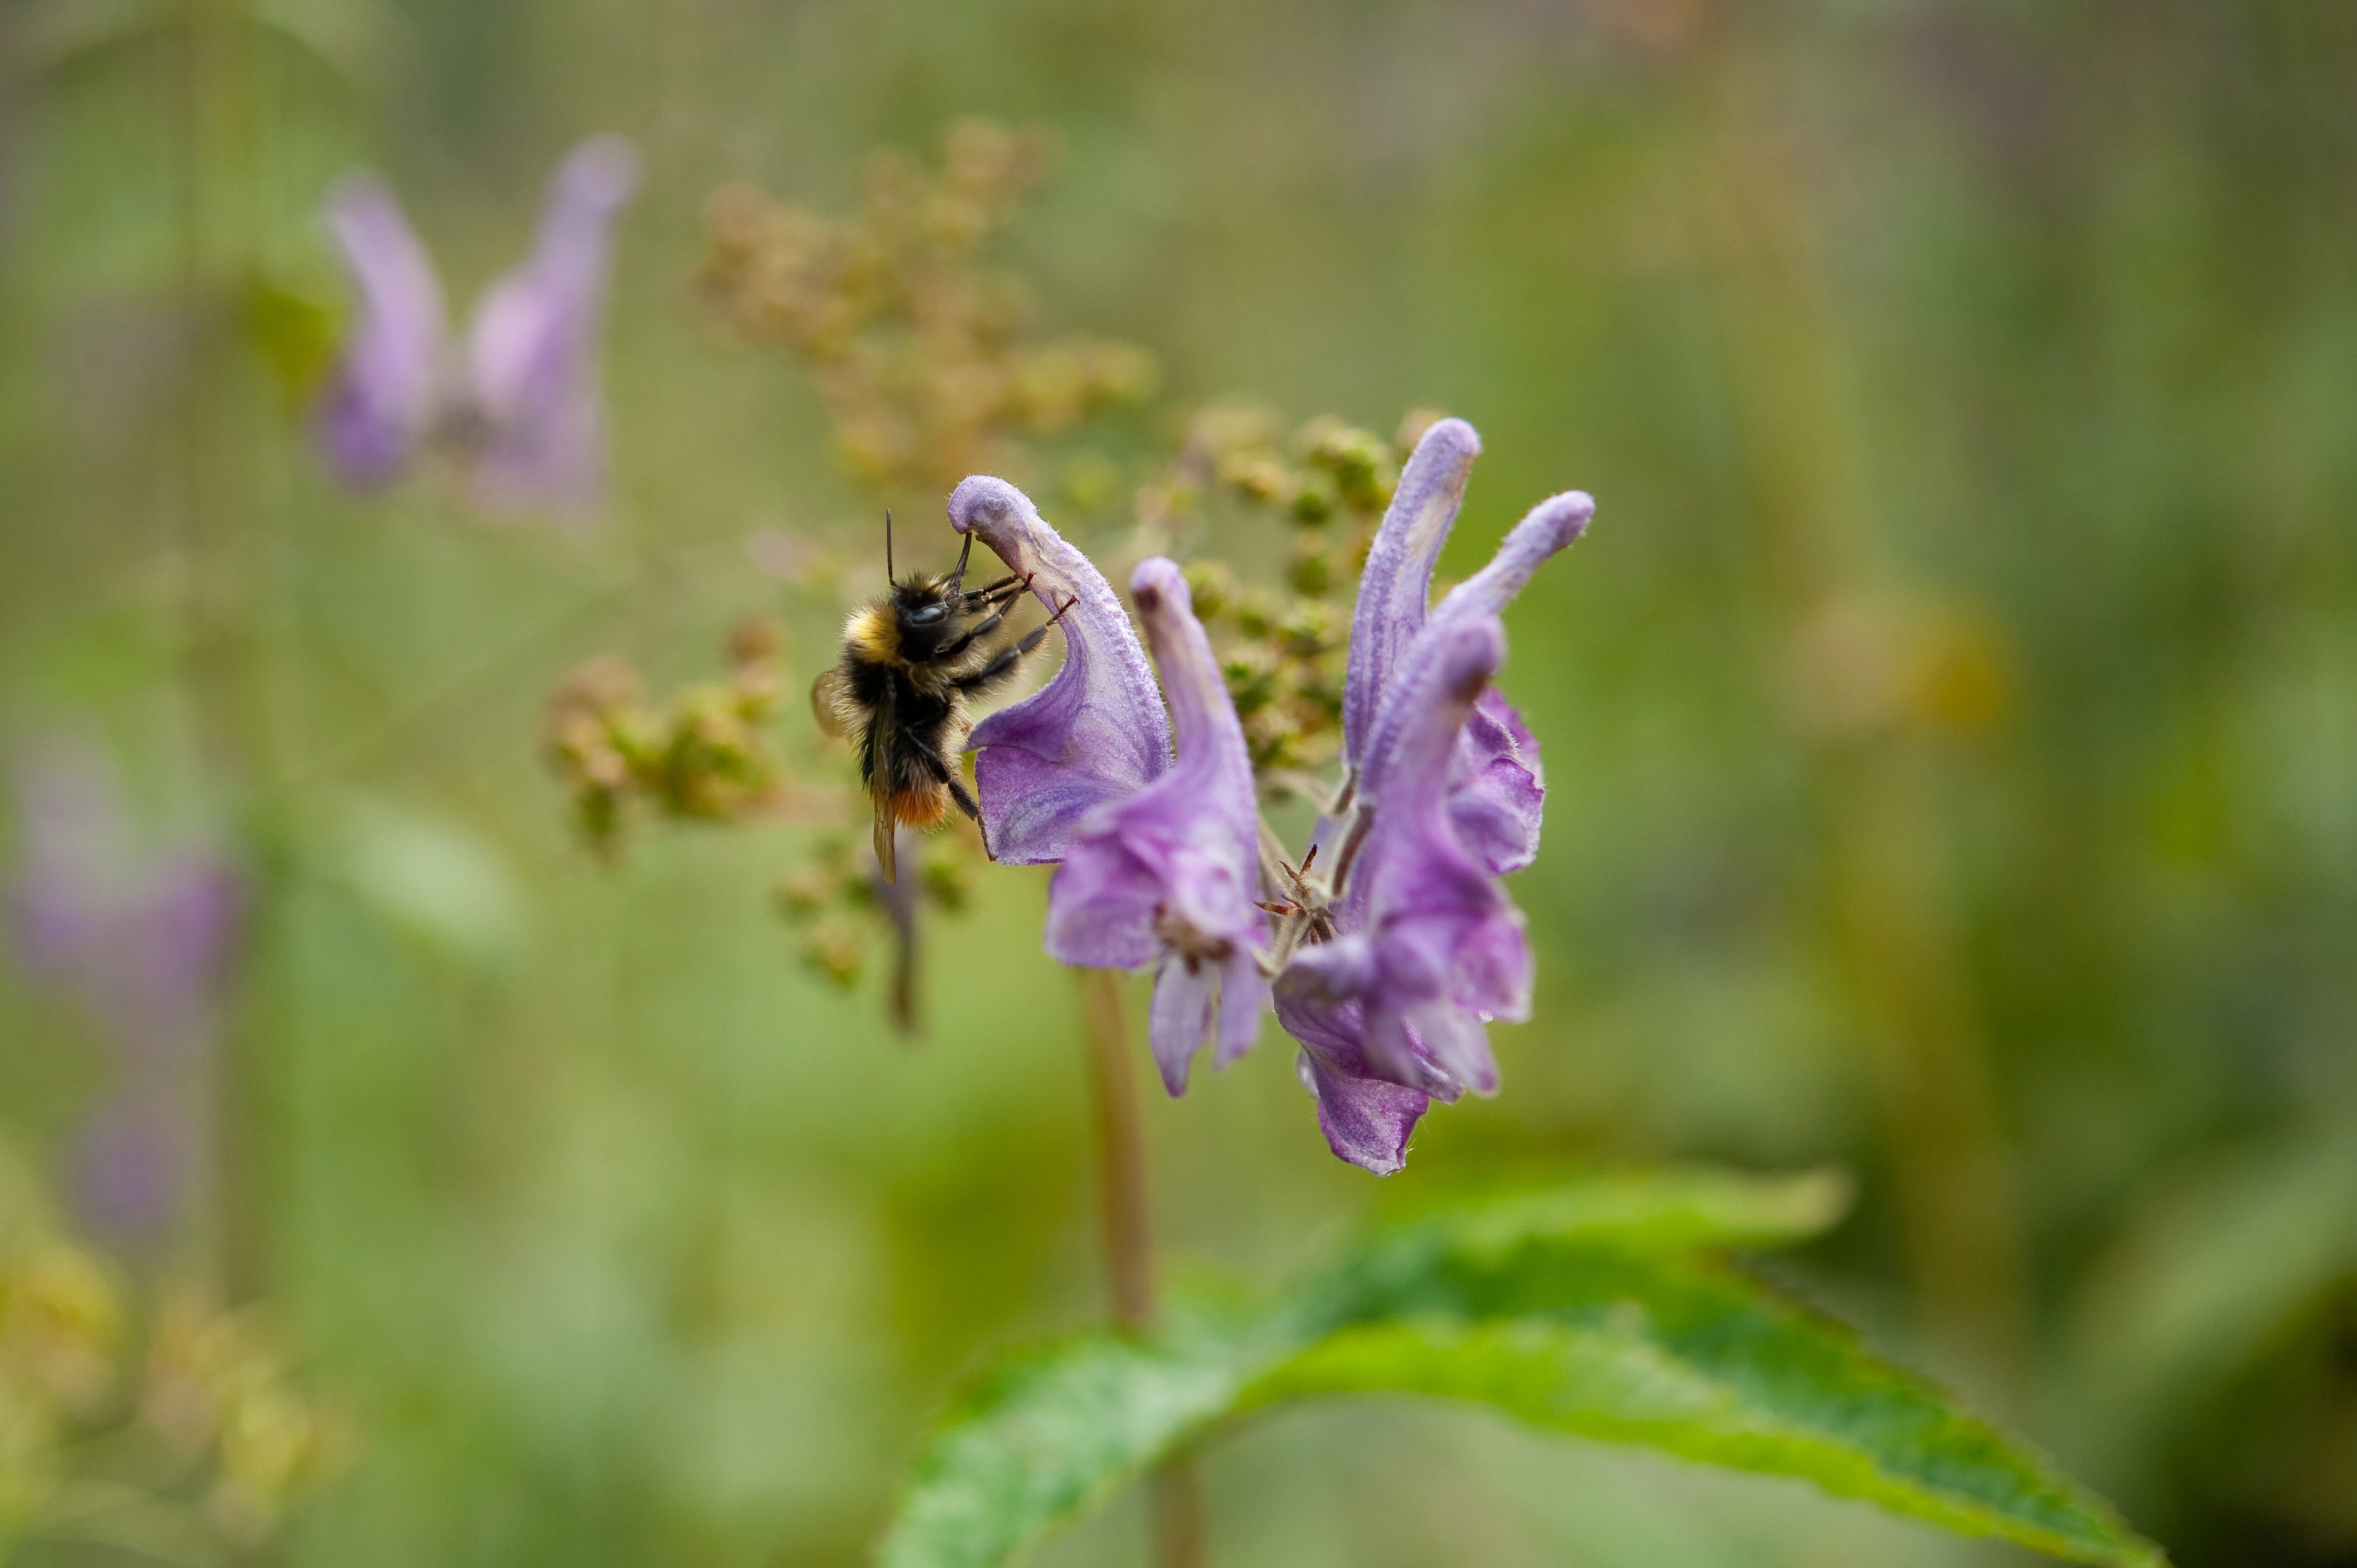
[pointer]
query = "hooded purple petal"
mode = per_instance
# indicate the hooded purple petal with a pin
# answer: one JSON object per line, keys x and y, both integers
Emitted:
{"x": 380, "y": 401}
{"x": 1172, "y": 870}
{"x": 1092, "y": 734}
{"x": 531, "y": 349}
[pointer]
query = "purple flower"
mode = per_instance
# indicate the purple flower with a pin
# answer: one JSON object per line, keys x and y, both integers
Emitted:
{"x": 1094, "y": 733}
{"x": 1169, "y": 874}
{"x": 1496, "y": 791}
{"x": 1397, "y": 952}
{"x": 1428, "y": 948}
{"x": 515, "y": 405}
{"x": 144, "y": 938}
{"x": 1442, "y": 793}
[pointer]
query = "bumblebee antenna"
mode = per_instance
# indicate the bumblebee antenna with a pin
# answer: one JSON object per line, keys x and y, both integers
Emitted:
{"x": 957, "y": 578}
{"x": 887, "y": 545}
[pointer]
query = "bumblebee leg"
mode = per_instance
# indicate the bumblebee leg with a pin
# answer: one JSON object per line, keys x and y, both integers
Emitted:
{"x": 987, "y": 624}
{"x": 1002, "y": 593}
{"x": 1009, "y": 656}
{"x": 947, "y": 777}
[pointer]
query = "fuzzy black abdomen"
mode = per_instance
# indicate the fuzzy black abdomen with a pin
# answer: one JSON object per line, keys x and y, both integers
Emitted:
{"x": 907, "y": 734}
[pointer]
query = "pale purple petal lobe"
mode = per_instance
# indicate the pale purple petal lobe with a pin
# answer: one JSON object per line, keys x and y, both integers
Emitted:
{"x": 1181, "y": 1018}
{"x": 1096, "y": 731}
{"x": 1243, "y": 997}
{"x": 531, "y": 394}
{"x": 379, "y": 402}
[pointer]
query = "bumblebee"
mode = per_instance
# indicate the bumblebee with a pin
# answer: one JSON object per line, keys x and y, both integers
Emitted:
{"x": 909, "y": 662}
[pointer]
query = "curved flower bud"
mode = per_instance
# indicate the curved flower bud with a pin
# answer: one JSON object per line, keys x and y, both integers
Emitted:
{"x": 1430, "y": 948}
{"x": 379, "y": 402}
{"x": 1169, "y": 874}
{"x": 530, "y": 395}
{"x": 1499, "y": 790}
{"x": 1092, "y": 734}
{"x": 1397, "y": 578}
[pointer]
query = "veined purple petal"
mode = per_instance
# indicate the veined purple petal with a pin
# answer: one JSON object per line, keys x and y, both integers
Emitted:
{"x": 1397, "y": 579}
{"x": 1093, "y": 733}
{"x": 1366, "y": 1121}
{"x": 531, "y": 396}
{"x": 1186, "y": 999}
{"x": 1243, "y": 997}
{"x": 1321, "y": 1002}
{"x": 1172, "y": 870}
{"x": 380, "y": 400}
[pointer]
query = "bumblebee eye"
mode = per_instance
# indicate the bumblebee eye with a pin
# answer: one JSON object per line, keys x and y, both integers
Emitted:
{"x": 926, "y": 614}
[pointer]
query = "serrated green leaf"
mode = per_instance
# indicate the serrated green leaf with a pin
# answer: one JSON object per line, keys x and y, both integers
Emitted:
{"x": 1692, "y": 1357}
{"x": 1046, "y": 1437}
{"x": 1598, "y": 1308}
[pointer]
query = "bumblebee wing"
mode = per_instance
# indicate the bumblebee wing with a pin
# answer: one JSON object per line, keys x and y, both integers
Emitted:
{"x": 831, "y": 704}
{"x": 881, "y": 738}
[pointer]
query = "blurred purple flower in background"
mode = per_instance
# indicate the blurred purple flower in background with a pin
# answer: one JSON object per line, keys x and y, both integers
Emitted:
{"x": 515, "y": 406}
{"x": 145, "y": 937}
{"x": 1169, "y": 873}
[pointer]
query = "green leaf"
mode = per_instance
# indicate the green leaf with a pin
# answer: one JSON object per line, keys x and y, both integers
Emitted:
{"x": 1597, "y": 1308}
{"x": 1045, "y": 1437}
{"x": 1691, "y": 1356}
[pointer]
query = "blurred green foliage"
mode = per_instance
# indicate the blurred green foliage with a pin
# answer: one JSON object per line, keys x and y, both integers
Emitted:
{"x": 1952, "y": 724}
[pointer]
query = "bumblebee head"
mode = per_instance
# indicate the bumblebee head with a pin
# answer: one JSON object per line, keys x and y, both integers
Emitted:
{"x": 924, "y": 615}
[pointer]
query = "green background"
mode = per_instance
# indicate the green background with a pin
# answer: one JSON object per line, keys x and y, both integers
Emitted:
{"x": 626, "y": 1240}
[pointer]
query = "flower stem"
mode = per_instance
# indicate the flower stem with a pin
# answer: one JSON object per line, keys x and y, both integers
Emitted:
{"x": 1121, "y": 1153}
{"x": 1174, "y": 1491}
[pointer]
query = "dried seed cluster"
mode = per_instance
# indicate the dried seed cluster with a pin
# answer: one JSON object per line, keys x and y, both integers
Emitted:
{"x": 835, "y": 898}
{"x": 708, "y": 754}
{"x": 924, "y": 358}
{"x": 1282, "y": 653}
